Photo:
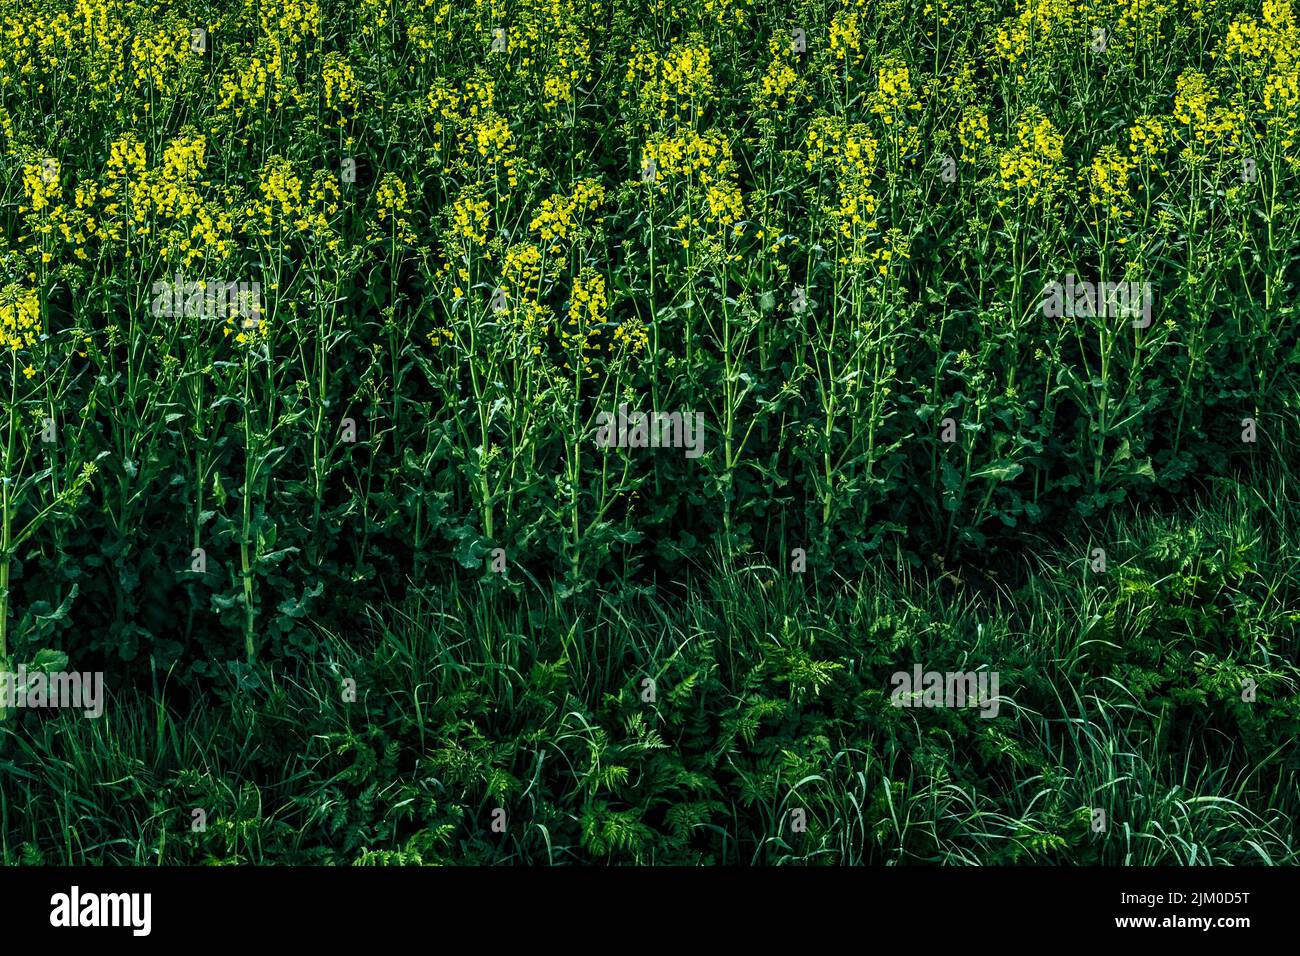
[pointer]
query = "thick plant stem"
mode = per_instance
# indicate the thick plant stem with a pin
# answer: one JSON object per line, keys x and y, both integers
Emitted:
{"x": 6, "y": 528}
{"x": 246, "y": 567}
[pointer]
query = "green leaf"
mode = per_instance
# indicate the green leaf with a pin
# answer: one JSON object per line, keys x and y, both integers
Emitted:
{"x": 1000, "y": 471}
{"x": 48, "y": 660}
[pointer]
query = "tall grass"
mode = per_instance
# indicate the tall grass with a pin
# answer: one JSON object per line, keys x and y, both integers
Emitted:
{"x": 1121, "y": 694}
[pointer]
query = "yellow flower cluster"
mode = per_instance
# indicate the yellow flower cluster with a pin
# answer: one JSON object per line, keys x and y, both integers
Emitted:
{"x": 973, "y": 130}
{"x": 469, "y": 216}
{"x": 894, "y": 93}
{"x": 126, "y": 160}
{"x": 158, "y": 55}
{"x": 460, "y": 109}
{"x": 495, "y": 145}
{"x": 570, "y": 54}
{"x": 1255, "y": 44}
{"x": 587, "y": 306}
{"x": 1279, "y": 17}
{"x": 558, "y": 216}
{"x": 466, "y": 228}
{"x": 210, "y": 235}
{"x": 779, "y": 83}
{"x": 41, "y": 185}
{"x": 165, "y": 203}
{"x": 372, "y": 18}
{"x": 1148, "y": 139}
{"x": 963, "y": 84}
{"x": 849, "y": 149}
{"x": 340, "y": 84}
{"x": 256, "y": 83}
{"x": 292, "y": 21}
{"x": 1196, "y": 107}
{"x": 849, "y": 153}
{"x": 1033, "y": 30}
{"x": 1033, "y": 167}
{"x": 631, "y": 336}
{"x": 1139, "y": 18}
{"x": 1268, "y": 52}
{"x": 677, "y": 83}
{"x": 856, "y": 212}
{"x": 190, "y": 226}
{"x": 185, "y": 158}
{"x": 893, "y": 251}
{"x": 20, "y": 317}
{"x": 556, "y": 89}
{"x": 846, "y": 37}
{"x": 1282, "y": 92}
{"x": 391, "y": 201}
{"x": 1107, "y": 178}
{"x": 522, "y": 270}
{"x": 725, "y": 203}
{"x": 892, "y": 100}
{"x": 940, "y": 12}
{"x": 322, "y": 207}
{"x": 443, "y": 102}
{"x": 587, "y": 303}
{"x": 706, "y": 159}
{"x": 280, "y": 189}
{"x": 686, "y": 154}
{"x": 248, "y": 330}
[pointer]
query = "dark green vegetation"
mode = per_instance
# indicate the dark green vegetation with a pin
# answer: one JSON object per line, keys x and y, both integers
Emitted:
{"x": 1122, "y": 693}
